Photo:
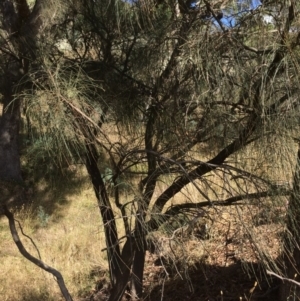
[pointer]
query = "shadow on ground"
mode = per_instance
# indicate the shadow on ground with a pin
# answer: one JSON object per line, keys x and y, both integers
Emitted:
{"x": 204, "y": 282}
{"x": 239, "y": 281}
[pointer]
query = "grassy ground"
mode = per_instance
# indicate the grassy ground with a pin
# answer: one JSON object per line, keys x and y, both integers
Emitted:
{"x": 65, "y": 224}
{"x": 67, "y": 230}
{"x": 69, "y": 237}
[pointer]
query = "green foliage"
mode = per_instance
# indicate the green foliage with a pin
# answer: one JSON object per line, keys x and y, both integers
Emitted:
{"x": 43, "y": 216}
{"x": 107, "y": 177}
{"x": 171, "y": 100}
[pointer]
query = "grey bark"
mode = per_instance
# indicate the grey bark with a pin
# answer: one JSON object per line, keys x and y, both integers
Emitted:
{"x": 34, "y": 260}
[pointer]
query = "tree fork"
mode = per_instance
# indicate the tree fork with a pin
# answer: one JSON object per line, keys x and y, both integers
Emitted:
{"x": 120, "y": 263}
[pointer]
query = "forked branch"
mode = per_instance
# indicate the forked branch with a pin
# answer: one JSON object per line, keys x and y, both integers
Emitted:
{"x": 283, "y": 278}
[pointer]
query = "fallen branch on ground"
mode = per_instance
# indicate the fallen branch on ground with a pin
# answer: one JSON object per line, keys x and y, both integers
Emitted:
{"x": 283, "y": 278}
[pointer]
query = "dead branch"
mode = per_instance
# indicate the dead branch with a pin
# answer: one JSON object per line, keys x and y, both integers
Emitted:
{"x": 36, "y": 261}
{"x": 283, "y": 278}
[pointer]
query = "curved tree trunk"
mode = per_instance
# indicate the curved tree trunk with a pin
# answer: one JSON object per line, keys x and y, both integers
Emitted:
{"x": 34, "y": 260}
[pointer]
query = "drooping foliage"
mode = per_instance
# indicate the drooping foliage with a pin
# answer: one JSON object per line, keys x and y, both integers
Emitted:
{"x": 173, "y": 94}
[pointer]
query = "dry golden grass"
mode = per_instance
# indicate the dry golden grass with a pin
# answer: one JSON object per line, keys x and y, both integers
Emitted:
{"x": 71, "y": 242}
{"x": 72, "y": 238}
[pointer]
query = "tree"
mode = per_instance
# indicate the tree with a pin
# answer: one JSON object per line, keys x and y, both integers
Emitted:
{"x": 244, "y": 111}
{"x": 20, "y": 29}
{"x": 180, "y": 93}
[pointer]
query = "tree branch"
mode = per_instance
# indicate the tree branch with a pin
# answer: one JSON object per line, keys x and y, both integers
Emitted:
{"x": 282, "y": 278}
{"x": 154, "y": 224}
{"x": 204, "y": 168}
{"x": 38, "y": 262}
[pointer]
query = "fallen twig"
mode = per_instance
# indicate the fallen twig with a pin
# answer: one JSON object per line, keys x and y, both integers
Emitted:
{"x": 282, "y": 278}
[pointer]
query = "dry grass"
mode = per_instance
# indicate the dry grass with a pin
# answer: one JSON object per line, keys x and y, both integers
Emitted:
{"x": 70, "y": 241}
{"x": 66, "y": 226}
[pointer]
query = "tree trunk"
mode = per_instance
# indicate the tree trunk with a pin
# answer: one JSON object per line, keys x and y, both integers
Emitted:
{"x": 291, "y": 251}
{"x": 122, "y": 272}
{"x": 138, "y": 273}
{"x": 119, "y": 263}
{"x": 21, "y": 29}
{"x": 10, "y": 168}
{"x": 136, "y": 285}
